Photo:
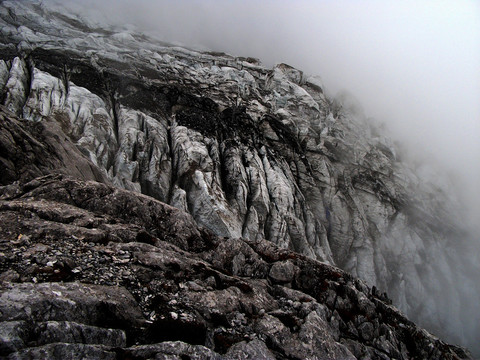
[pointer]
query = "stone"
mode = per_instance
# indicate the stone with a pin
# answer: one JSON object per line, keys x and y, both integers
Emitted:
{"x": 254, "y": 349}
{"x": 89, "y": 304}
{"x": 72, "y": 332}
{"x": 13, "y": 336}
{"x": 282, "y": 272}
{"x": 9, "y": 276}
{"x": 171, "y": 350}
{"x": 366, "y": 330}
{"x": 65, "y": 351}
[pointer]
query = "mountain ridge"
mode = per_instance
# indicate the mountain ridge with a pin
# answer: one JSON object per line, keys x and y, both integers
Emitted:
{"x": 248, "y": 151}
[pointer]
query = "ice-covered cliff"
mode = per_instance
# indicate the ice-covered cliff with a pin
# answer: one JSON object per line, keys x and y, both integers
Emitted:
{"x": 91, "y": 271}
{"x": 248, "y": 151}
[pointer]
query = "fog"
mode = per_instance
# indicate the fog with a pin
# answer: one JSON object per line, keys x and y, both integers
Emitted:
{"x": 413, "y": 65}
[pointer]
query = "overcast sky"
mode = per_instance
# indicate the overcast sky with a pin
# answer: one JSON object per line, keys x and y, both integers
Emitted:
{"x": 412, "y": 64}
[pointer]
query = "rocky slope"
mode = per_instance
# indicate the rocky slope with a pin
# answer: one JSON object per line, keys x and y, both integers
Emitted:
{"x": 247, "y": 151}
{"x": 88, "y": 270}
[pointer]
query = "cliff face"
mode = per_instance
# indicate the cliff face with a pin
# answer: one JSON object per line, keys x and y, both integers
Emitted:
{"x": 247, "y": 151}
{"x": 88, "y": 270}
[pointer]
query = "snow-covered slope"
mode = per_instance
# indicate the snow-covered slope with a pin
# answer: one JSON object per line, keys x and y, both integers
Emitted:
{"x": 249, "y": 152}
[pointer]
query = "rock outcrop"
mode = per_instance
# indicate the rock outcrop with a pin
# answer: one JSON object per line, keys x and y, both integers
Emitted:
{"x": 92, "y": 271}
{"x": 249, "y": 152}
{"x": 32, "y": 149}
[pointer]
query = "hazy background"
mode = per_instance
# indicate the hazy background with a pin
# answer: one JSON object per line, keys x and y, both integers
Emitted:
{"x": 414, "y": 65}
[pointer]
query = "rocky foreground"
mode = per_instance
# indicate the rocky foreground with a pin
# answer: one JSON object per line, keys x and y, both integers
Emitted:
{"x": 92, "y": 271}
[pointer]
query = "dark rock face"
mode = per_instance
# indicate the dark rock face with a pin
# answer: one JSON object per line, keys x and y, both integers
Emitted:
{"x": 28, "y": 150}
{"x": 139, "y": 280}
{"x": 254, "y": 163}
